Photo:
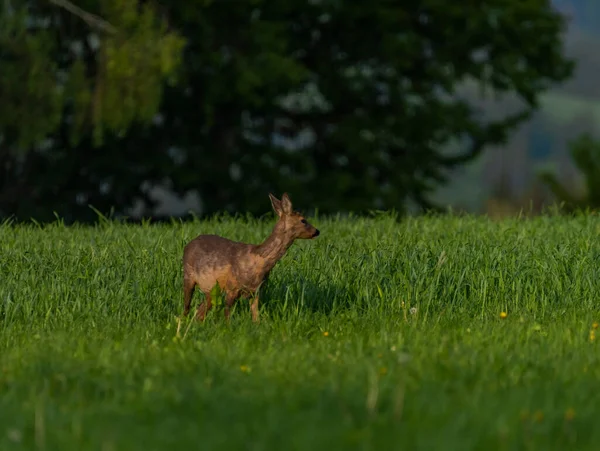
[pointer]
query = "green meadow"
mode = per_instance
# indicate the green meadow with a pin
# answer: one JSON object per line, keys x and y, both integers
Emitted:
{"x": 446, "y": 333}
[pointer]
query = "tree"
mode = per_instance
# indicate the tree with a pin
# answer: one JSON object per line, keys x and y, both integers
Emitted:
{"x": 346, "y": 105}
{"x": 68, "y": 75}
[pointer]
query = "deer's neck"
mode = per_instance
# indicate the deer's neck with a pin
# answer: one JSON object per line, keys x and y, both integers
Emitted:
{"x": 274, "y": 247}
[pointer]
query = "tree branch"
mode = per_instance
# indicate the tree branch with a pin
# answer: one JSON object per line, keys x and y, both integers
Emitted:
{"x": 92, "y": 20}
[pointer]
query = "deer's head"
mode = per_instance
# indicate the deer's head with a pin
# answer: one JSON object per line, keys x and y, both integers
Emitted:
{"x": 292, "y": 223}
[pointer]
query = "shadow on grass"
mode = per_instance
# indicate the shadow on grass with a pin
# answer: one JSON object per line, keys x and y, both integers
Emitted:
{"x": 295, "y": 295}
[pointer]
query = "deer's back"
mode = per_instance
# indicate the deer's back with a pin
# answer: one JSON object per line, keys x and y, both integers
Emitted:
{"x": 213, "y": 250}
{"x": 210, "y": 258}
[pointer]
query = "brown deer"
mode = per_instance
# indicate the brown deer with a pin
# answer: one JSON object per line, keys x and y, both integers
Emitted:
{"x": 239, "y": 269}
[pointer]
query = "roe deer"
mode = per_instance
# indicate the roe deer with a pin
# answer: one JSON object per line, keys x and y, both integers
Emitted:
{"x": 239, "y": 268}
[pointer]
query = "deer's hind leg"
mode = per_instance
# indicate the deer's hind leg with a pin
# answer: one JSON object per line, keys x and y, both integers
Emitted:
{"x": 204, "y": 307}
{"x": 188, "y": 293}
{"x": 254, "y": 307}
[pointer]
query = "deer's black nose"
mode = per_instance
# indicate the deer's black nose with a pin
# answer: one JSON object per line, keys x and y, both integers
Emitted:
{"x": 317, "y": 233}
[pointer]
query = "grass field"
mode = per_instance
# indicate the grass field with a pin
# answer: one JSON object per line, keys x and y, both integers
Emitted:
{"x": 375, "y": 336}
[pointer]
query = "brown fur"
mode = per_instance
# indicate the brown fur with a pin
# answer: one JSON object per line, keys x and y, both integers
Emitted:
{"x": 239, "y": 268}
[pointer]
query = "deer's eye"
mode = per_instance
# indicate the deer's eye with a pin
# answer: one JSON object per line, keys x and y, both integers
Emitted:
{"x": 303, "y": 221}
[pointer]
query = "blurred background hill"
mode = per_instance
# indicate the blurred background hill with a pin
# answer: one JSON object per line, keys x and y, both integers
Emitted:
{"x": 507, "y": 174}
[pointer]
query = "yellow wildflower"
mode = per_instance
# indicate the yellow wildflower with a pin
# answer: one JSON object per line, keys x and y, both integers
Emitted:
{"x": 570, "y": 414}
{"x": 503, "y": 315}
{"x": 326, "y": 334}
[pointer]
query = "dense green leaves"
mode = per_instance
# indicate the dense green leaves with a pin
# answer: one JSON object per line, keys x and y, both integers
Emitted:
{"x": 133, "y": 67}
{"x": 56, "y": 67}
{"x": 30, "y": 104}
{"x": 346, "y": 105}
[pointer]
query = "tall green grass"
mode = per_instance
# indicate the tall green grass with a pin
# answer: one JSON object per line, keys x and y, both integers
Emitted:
{"x": 376, "y": 335}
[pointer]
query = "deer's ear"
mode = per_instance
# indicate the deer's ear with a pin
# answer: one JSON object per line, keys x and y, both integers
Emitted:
{"x": 276, "y": 203}
{"x": 286, "y": 204}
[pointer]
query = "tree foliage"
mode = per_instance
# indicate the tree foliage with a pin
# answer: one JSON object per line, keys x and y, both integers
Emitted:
{"x": 345, "y": 105}
{"x": 58, "y": 67}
